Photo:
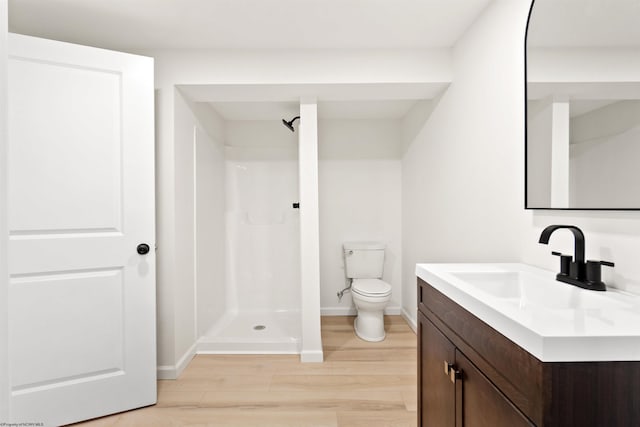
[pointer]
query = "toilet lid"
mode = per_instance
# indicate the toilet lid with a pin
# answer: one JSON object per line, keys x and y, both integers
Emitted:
{"x": 375, "y": 287}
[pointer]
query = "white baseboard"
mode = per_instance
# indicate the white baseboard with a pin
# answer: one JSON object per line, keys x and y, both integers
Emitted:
{"x": 413, "y": 324}
{"x": 351, "y": 311}
{"x": 311, "y": 356}
{"x": 172, "y": 372}
{"x": 393, "y": 311}
{"x": 338, "y": 311}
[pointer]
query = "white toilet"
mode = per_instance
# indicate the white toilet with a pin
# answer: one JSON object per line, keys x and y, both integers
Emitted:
{"x": 364, "y": 262}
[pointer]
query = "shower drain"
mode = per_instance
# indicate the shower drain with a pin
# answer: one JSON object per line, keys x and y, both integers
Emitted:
{"x": 259, "y": 327}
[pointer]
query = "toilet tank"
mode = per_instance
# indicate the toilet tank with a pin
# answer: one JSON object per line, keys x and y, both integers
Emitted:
{"x": 363, "y": 260}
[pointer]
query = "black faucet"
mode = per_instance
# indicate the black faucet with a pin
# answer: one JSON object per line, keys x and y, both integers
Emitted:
{"x": 576, "y": 271}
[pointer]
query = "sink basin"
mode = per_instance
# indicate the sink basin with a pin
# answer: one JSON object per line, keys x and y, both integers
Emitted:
{"x": 528, "y": 289}
{"x": 552, "y": 320}
{"x": 501, "y": 284}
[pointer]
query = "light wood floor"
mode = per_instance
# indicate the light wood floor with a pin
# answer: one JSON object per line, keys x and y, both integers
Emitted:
{"x": 359, "y": 384}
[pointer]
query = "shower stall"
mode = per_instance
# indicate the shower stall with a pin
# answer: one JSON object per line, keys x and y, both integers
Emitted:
{"x": 257, "y": 308}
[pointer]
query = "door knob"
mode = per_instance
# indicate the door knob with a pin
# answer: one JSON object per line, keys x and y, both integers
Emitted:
{"x": 143, "y": 249}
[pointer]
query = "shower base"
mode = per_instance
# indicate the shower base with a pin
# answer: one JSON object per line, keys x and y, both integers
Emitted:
{"x": 254, "y": 332}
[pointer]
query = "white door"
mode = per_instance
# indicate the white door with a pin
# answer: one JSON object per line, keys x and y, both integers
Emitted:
{"x": 81, "y": 199}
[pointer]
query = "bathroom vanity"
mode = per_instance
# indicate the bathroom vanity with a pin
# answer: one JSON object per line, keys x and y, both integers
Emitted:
{"x": 507, "y": 345}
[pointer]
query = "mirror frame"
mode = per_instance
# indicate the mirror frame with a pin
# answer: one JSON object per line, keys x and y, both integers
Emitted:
{"x": 526, "y": 162}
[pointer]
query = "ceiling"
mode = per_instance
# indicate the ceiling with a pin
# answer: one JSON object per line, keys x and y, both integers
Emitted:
{"x": 254, "y": 24}
{"x": 297, "y": 24}
{"x": 136, "y": 25}
{"x": 584, "y": 23}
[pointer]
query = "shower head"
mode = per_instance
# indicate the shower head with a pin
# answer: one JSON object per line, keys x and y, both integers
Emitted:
{"x": 289, "y": 123}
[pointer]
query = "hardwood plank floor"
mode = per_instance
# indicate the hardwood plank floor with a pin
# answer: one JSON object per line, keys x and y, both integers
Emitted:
{"x": 359, "y": 384}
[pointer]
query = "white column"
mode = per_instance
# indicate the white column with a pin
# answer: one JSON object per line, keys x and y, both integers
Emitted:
{"x": 4, "y": 233}
{"x": 560, "y": 155}
{"x": 311, "y": 350}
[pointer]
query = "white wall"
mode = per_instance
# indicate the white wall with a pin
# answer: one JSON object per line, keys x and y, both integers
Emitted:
{"x": 178, "y": 313}
{"x": 413, "y": 121}
{"x": 4, "y": 272}
{"x": 265, "y": 139}
{"x": 587, "y": 65}
{"x": 463, "y": 181}
{"x": 176, "y": 280}
{"x": 604, "y": 156}
{"x": 360, "y": 198}
{"x": 209, "y": 233}
{"x": 290, "y": 66}
{"x": 165, "y": 227}
{"x": 605, "y": 172}
{"x": 560, "y": 154}
{"x": 463, "y": 174}
{"x": 539, "y": 132}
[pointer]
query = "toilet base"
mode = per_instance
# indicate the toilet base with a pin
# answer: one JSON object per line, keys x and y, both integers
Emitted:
{"x": 369, "y": 326}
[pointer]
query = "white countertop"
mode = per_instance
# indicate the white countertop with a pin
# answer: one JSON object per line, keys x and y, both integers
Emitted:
{"x": 554, "y": 321}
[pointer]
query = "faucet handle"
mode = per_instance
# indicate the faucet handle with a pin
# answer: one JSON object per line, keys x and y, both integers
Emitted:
{"x": 594, "y": 271}
{"x": 565, "y": 262}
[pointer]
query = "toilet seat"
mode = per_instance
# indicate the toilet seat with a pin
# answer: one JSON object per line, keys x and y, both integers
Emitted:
{"x": 371, "y": 287}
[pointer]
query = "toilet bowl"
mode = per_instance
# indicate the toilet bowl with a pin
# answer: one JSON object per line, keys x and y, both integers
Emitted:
{"x": 370, "y": 296}
{"x": 364, "y": 265}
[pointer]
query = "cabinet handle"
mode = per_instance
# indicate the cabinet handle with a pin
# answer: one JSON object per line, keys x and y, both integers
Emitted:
{"x": 454, "y": 374}
{"x": 447, "y": 367}
{"x": 451, "y": 371}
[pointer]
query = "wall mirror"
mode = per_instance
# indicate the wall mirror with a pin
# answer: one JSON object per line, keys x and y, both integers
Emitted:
{"x": 583, "y": 105}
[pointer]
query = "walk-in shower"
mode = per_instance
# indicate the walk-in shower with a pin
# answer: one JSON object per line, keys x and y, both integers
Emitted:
{"x": 262, "y": 243}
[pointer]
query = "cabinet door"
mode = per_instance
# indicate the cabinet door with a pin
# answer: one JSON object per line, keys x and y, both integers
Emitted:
{"x": 482, "y": 404}
{"x": 436, "y": 392}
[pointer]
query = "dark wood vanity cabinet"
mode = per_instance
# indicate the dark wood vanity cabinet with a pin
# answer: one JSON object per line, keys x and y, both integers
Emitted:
{"x": 453, "y": 392}
{"x": 470, "y": 375}
{"x": 436, "y": 392}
